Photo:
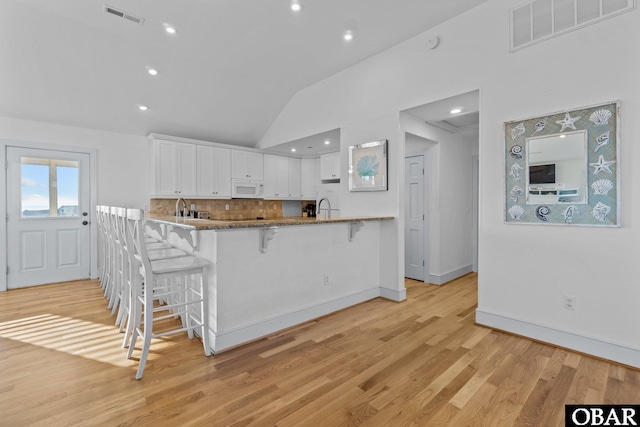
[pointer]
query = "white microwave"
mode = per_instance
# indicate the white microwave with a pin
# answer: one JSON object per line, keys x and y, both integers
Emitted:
{"x": 247, "y": 189}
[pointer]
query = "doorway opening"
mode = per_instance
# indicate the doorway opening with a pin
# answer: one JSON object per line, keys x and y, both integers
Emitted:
{"x": 446, "y": 134}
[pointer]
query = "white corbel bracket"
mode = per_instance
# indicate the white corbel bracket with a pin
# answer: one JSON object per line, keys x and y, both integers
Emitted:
{"x": 158, "y": 228}
{"x": 354, "y": 227}
{"x": 265, "y": 236}
{"x": 188, "y": 235}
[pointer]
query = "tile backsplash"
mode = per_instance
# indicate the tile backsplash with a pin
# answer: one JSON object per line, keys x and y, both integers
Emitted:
{"x": 239, "y": 209}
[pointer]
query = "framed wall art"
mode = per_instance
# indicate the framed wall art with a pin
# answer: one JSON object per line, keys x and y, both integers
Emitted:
{"x": 368, "y": 166}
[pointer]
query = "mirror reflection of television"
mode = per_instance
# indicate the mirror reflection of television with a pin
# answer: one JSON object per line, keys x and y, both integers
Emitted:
{"x": 542, "y": 174}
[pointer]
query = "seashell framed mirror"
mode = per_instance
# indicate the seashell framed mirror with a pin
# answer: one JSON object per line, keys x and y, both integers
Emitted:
{"x": 563, "y": 168}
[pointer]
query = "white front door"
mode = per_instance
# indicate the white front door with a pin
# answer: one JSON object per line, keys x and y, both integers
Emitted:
{"x": 414, "y": 218}
{"x": 48, "y": 201}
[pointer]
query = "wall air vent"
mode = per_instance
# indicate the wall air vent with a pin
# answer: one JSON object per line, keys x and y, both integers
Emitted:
{"x": 539, "y": 20}
{"x": 123, "y": 14}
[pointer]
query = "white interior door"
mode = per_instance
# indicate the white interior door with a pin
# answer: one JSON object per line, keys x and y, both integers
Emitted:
{"x": 48, "y": 200}
{"x": 414, "y": 256}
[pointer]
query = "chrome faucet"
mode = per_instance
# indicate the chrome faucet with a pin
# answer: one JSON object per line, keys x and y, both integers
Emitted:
{"x": 327, "y": 215}
{"x": 184, "y": 206}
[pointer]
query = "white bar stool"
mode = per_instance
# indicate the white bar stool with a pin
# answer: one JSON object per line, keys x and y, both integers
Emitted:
{"x": 117, "y": 260}
{"x": 101, "y": 244}
{"x": 132, "y": 273}
{"x": 108, "y": 251}
{"x": 187, "y": 296}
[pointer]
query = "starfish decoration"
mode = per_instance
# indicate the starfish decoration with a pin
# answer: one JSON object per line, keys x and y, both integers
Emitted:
{"x": 602, "y": 165}
{"x": 568, "y": 122}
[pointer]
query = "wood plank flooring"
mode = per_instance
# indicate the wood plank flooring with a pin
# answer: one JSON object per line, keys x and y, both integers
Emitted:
{"x": 422, "y": 362}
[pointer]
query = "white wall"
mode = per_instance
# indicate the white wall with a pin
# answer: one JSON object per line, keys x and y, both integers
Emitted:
{"x": 524, "y": 269}
{"x": 123, "y": 160}
{"x": 378, "y": 203}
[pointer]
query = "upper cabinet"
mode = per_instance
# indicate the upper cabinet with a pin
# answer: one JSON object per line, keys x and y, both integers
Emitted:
{"x": 247, "y": 164}
{"x": 295, "y": 186}
{"x": 281, "y": 177}
{"x": 330, "y": 166}
{"x": 182, "y": 168}
{"x": 309, "y": 178}
{"x": 175, "y": 168}
{"x": 213, "y": 171}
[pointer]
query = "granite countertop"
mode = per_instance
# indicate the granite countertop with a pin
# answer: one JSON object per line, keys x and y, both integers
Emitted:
{"x": 212, "y": 224}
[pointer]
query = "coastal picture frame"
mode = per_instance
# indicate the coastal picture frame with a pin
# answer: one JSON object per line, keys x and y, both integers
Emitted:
{"x": 368, "y": 166}
{"x": 563, "y": 168}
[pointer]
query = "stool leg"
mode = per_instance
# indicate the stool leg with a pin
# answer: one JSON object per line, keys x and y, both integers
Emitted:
{"x": 134, "y": 322}
{"x": 187, "y": 295}
{"x": 204, "y": 312}
{"x": 148, "y": 329}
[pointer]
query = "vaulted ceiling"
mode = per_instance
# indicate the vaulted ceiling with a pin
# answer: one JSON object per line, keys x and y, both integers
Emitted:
{"x": 224, "y": 76}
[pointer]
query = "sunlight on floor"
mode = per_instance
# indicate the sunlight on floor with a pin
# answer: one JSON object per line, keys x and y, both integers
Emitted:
{"x": 93, "y": 341}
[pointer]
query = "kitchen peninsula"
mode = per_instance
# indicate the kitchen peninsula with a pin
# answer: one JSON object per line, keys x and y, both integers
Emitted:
{"x": 267, "y": 275}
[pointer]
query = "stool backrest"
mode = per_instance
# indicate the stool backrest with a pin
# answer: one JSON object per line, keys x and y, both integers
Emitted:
{"x": 135, "y": 231}
{"x": 120, "y": 227}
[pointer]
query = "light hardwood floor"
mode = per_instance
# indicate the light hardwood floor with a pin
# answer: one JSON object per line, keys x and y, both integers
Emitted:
{"x": 421, "y": 362}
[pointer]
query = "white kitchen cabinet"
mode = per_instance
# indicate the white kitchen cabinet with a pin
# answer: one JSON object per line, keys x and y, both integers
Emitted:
{"x": 213, "y": 172}
{"x": 276, "y": 177}
{"x": 330, "y": 166}
{"x": 282, "y": 177}
{"x": 309, "y": 175}
{"x": 247, "y": 164}
{"x": 295, "y": 178}
{"x": 174, "y": 169}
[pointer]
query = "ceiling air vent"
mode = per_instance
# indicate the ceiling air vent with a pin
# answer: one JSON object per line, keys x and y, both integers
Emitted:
{"x": 123, "y": 14}
{"x": 539, "y": 20}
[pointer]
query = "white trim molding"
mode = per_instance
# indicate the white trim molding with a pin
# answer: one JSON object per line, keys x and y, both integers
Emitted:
{"x": 397, "y": 295}
{"x": 597, "y": 347}
{"x": 441, "y": 279}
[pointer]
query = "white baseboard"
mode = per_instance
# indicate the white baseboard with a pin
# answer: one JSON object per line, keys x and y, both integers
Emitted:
{"x": 251, "y": 332}
{"x": 594, "y": 346}
{"x": 393, "y": 294}
{"x": 435, "y": 279}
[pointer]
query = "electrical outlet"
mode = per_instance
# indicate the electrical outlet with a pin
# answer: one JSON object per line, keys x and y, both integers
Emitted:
{"x": 569, "y": 302}
{"x": 326, "y": 279}
{"x": 193, "y": 207}
{"x": 226, "y": 207}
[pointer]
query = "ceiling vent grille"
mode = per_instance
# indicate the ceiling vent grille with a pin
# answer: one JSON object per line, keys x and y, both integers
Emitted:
{"x": 122, "y": 14}
{"x": 539, "y": 20}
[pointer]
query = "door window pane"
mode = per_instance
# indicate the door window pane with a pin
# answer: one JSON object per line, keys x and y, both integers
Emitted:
{"x": 67, "y": 190}
{"x": 49, "y": 187}
{"x": 35, "y": 190}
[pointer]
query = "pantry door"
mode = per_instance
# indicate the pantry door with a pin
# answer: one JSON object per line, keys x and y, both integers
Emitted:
{"x": 48, "y": 232}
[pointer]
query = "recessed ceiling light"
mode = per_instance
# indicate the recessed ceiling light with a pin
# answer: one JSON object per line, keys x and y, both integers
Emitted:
{"x": 348, "y": 35}
{"x": 169, "y": 28}
{"x": 563, "y": 136}
{"x": 456, "y": 111}
{"x": 293, "y": 150}
{"x": 143, "y": 107}
{"x": 295, "y": 6}
{"x": 152, "y": 71}
{"x": 327, "y": 142}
